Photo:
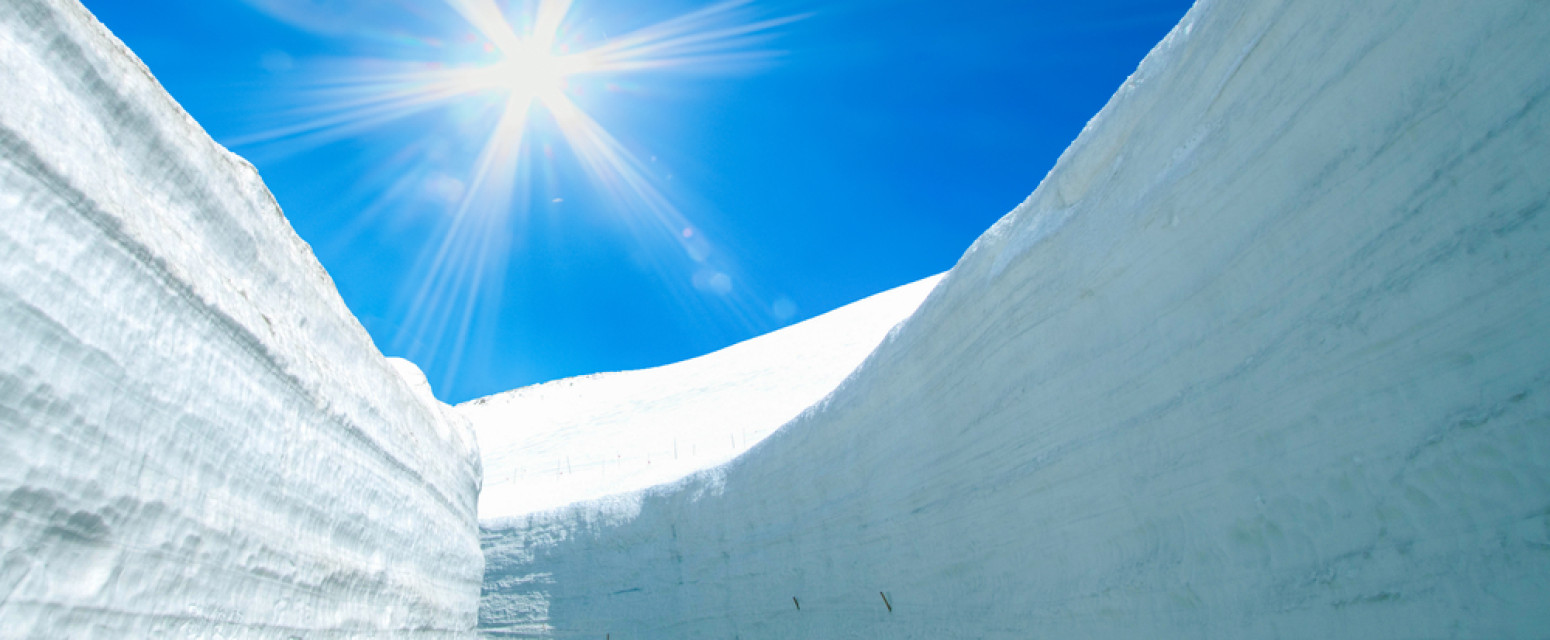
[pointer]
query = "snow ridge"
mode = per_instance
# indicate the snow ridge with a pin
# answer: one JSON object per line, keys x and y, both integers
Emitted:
{"x": 579, "y": 439}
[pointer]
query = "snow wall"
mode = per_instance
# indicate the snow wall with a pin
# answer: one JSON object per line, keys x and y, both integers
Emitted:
{"x": 1265, "y": 354}
{"x": 197, "y": 439}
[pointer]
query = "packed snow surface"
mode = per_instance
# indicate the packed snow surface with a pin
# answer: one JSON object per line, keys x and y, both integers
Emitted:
{"x": 1264, "y": 355}
{"x": 585, "y": 438}
{"x": 197, "y": 439}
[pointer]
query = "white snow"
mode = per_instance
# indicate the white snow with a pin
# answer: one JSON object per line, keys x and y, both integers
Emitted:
{"x": 197, "y": 439}
{"x": 1264, "y": 355}
{"x": 577, "y": 439}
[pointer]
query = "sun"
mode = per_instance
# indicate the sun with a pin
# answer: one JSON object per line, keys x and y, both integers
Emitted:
{"x": 529, "y": 72}
{"x": 526, "y": 55}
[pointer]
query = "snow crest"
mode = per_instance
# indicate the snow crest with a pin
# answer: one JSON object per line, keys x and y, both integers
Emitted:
{"x": 580, "y": 439}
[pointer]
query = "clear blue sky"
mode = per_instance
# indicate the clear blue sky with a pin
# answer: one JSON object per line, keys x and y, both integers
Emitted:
{"x": 796, "y": 168}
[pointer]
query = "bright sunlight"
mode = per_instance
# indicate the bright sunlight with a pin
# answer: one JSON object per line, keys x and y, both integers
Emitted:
{"x": 532, "y": 60}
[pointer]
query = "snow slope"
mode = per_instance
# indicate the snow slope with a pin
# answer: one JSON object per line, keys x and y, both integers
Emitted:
{"x": 197, "y": 439}
{"x": 584, "y": 438}
{"x": 1264, "y": 355}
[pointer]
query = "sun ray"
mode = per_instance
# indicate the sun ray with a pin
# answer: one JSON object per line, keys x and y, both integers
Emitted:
{"x": 489, "y": 20}
{"x": 367, "y": 100}
{"x": 546, "y": 27}
{"x": 621, "y": 177}
{"x": 454, "y": 276}
{"x": 702, "y": 39}
{"x": 528, "y": 62}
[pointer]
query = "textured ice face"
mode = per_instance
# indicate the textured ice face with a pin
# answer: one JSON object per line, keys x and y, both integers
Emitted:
{"x": 197, "y": 439}
{"x": 1263, "y": 356}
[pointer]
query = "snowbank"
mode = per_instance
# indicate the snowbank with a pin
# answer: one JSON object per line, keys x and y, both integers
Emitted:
{"x": 1264, "y": 355}
{"x": 197, "y": 439}
{"x": 588, "y": 437}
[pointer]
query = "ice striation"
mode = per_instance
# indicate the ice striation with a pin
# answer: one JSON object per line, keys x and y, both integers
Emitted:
{"x": 197, "y": 438}
{"x": 1264, "y": 355}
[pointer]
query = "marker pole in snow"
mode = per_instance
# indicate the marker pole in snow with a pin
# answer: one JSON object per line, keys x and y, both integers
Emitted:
{"x": 886, "y": 603}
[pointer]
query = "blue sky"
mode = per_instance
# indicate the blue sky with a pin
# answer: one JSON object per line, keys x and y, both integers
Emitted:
{"x": 812, "y": 154}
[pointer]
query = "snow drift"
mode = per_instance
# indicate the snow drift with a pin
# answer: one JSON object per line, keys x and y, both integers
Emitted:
{"x": 197, "y": 439}
{"x": 1263, "y": 355}
{"x": 584, "y": 438}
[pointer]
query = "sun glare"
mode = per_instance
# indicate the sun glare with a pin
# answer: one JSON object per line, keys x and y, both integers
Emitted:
{"x": 534, "y": 60}
{"x": 528, "y": 72}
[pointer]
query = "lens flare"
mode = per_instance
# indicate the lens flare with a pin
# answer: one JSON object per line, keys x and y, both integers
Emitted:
{"x": 528, "y": 60}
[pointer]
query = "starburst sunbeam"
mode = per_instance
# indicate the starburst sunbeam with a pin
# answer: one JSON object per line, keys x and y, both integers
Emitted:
{"x": 529, "y": 60}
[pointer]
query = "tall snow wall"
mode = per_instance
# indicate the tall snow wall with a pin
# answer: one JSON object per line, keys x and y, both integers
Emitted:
{"x": 197, "y": 438}
{"x": 1264, "y": 355}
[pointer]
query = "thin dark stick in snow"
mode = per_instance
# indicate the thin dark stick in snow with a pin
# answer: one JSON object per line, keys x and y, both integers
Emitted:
{"x": 798, "y": 604}
{"x": 886, "y": 603}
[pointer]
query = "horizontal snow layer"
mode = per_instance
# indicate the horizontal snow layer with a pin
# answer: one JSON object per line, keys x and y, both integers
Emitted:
{"x": 1263, "y": 356}
{"x": 584, "y": 438}
{"x": 197, "y": 439}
